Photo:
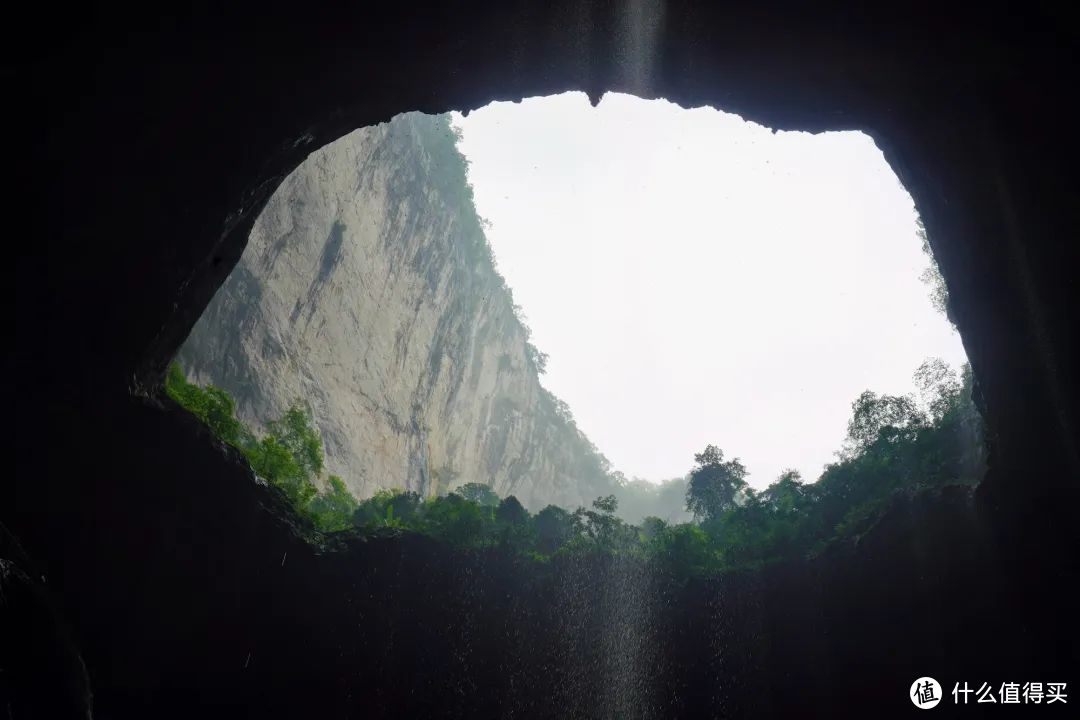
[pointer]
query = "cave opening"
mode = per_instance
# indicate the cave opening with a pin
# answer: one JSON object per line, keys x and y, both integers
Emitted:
{"x": 700, "y": 288}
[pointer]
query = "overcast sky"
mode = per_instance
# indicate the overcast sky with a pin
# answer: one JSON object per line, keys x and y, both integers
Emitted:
{"x": 699, "y": 279}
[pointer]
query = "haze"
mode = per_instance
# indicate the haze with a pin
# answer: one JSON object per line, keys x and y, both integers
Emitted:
{"x": 699, "y": 279}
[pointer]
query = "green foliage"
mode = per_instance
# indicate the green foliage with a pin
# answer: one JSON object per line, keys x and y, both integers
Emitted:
{"x": 787, "y": 495}
{"x": 538, "y": 359}
{"x": 448, "y": 173}
{"x": 511, "y": 512}
{"x": 714, "y": 484}
{"x": 387, "y": 508}
{"x": 211, "y": 405}
{"x": 599, "y": 528}
{"x": 334, "y": 509}
{"x": 457, "y": 521}
{"x": 938, "y": 386}
{"x": 272, "y": 460}
{"x": 513, "y": 527}
{"x": 651, "y": 527}
{"x": 931, "y": 276}
{"x": 478, "y": 493}
{"x": 554, "y": 528}
{"x": 289, "y": 457}
{"x": 886, "y": 417}
{"x": 685, "y": 550}
{"x": 895, "y": 444}
{"x": 295, "y": 432}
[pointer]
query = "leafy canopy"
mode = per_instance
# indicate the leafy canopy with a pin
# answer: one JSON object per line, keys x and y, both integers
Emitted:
{"x": 714, "y": 484}
{"x": 895, "y": 444}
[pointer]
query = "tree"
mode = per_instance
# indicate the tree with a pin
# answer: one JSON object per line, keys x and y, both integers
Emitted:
{"x": 538, "y": 359}
{"x": 931, "y": 276}
{"x": 220, "y": 416}
{"x": 554, "y": 528}
{"x": 938, "y": 386}
{"x": 456, "y": 520}
{"x": 212, "y": 405}
{"x": 683, "y": 549}
{"x": 513, "y": 527}
{"x": 714, "y": 484}
{"x": 272, "y": 460}
{"x": 787, "y": 494}
{"x": 404, "y": 504}
{"x": 295, "y": 432}
{"x": 602, "y": 526}
{"x": 333, "y": 509}
{"x": 387, "y": 508}
{"x": 478, "y": 493}
{"x": 511, "y": 512}
{"x": 652, "y": 526}
{"x": 874, "y": 417}
{"x": 290, "y": 457}
{"x": 895, "y": 444}
{"x": 607, "y": 504}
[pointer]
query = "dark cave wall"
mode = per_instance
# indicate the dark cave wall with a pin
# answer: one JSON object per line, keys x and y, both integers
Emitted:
{"x": 146, "y": 147}
{"x": 224, "y": 610}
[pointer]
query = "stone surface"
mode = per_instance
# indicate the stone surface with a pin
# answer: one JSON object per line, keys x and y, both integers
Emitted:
{"x": 366, "y": 293}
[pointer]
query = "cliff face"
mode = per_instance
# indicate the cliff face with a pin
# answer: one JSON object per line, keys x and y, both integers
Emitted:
{"x": 367, "y": 292}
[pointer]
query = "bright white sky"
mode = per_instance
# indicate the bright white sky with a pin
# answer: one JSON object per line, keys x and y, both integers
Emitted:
{"x": 698, "y": 279}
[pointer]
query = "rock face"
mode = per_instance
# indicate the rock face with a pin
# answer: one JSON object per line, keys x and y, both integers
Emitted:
{"x": 367, "y": 292}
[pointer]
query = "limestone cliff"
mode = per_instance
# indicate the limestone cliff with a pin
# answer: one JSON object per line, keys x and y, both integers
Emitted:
{"x": 367, "y": 292}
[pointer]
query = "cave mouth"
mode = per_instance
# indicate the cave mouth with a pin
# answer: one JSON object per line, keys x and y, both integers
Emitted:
{"x": 422, "y": 302}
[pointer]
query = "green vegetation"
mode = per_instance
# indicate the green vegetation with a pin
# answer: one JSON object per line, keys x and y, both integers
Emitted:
{"x": 448, "y": 175}
{"x": 714, "y": 485}
{"x": 895, "y": 444}
{"x": 289, "y": 456}
{"x": 333, "y": 509}
{"x": 931, "y": 276}
{"x": 478, "y": 493}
